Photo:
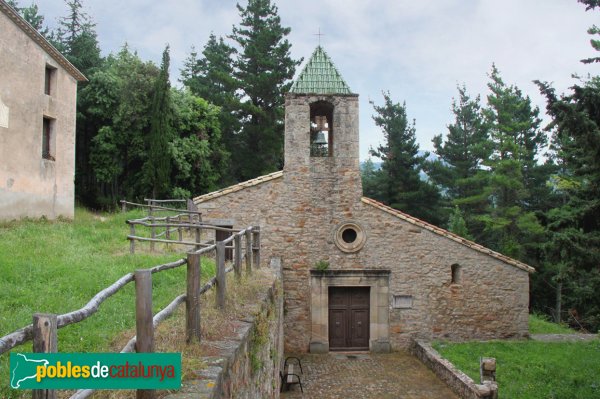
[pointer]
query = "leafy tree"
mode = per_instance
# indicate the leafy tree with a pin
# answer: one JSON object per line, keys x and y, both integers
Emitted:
{"x": 510, "y": 225}
{"x": 264, "y": 68}
{"x": 118, "y": 110}
{"x": 400, "y": 185}
{"x": 459, "y": 170}
{"x": 199, "y": 156}
{"x": 370, "y": 179}
{"x": 212, "y": 78}
{"x": 157, "y": 168}
{"x": 457, "y": 224}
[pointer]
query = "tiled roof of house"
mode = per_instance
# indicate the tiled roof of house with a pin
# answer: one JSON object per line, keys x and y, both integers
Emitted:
{"x": 238, "y": 187}
{"x": 41, "y": 41}
{"x": 320, "y": 76}
{"x": 447, "y": 234}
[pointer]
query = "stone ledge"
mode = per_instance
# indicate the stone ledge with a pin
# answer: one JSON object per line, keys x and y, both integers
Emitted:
{"x": 459, "y": 382}
{"x": 228, "y": 374}
{"x": 349, "y": 272}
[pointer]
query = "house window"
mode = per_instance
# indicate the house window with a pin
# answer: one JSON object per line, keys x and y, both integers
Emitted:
{"x": 456, "y": 275}
{"x": 49, "y": 80}
{"x": 48, "y": 139}
{"x": 321, "y": 129}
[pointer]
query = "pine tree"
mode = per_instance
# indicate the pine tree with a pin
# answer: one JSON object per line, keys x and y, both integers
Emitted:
{"x": 31, "y": 14}
{"x": 264, "y": 68}
{"x": 459, "y": 170}
{"x": 572, "y": 252}
{"x": 157, "y": 169}
{"x": 76, "y": 39}
{"x": 400, "y": 184}
{"x": 594, "y": 30}
{"x": 510, "y": 223}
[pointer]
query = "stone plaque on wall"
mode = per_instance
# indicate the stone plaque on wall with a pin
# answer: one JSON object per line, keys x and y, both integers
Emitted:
{"x": 3, "y": 115}
{"x": 402, "y": 302}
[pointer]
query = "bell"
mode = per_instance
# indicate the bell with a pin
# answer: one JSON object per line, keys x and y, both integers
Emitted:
{"x": 320, "y": 139}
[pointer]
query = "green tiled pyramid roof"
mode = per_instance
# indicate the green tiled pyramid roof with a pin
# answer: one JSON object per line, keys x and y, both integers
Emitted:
{"x": 320, "y": 76}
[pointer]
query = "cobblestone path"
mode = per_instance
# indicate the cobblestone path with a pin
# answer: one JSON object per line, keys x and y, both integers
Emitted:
{"x": 396, "y": 375}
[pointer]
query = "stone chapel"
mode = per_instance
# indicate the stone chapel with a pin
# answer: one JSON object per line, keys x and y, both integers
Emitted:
{"x": 357, "y": 274}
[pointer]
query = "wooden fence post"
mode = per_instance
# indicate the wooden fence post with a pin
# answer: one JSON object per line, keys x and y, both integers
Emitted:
{"x": 221, "y": 277}
{"x": 256, "y": 246}
{"x": 143, "y": 320}
{"x": 179, "y": 230}
{"x": 248, "y": 251}
{"x": 168, "y": 230}
{"x": 237, "y": 257}
{"x": 192, "y": 298}
{"x": 123, "y": 206}
{"x": 44, "y": 341}
{"x": 132, "y": 241}
{"x": 151, "y": 220}
{"x": 198, "y": 238}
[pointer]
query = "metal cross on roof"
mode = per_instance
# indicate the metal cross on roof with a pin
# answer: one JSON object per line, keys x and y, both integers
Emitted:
{"x": 319, "y": 34}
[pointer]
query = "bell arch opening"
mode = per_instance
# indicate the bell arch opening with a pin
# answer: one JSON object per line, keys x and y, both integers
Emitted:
{"x": 321, "y": 129}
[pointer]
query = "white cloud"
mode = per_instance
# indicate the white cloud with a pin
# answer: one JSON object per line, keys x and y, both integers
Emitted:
{"x": 419, "y": 50}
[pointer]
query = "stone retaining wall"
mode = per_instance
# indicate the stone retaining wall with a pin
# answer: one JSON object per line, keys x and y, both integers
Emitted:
{"x": 458, "y": 381}
{"x": 247, "y": 366}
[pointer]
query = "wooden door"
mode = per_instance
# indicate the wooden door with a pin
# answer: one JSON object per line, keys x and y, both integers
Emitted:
{"x": 349, "y": 318}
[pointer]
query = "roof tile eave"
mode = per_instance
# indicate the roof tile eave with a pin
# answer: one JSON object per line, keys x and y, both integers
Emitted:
{"x": 237, "y": 187}
{"x": 445, "y": 233}
{"x": 41, "y": 41}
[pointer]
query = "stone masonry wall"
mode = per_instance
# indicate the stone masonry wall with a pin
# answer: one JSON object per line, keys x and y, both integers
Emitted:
{"x": 247, "y": 365}
{"x": 300, "y": 212}
{"x": 30, "y": 185}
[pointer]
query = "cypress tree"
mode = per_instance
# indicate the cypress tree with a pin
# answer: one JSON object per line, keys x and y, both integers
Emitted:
{"x": 157, "y": 168}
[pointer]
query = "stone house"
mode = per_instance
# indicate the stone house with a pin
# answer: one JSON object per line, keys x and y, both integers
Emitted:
{"x": 38, "y": 92}
{"x": 388, "y": 277}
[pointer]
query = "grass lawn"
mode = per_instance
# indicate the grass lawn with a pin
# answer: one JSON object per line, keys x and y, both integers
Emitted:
{"x": 539, "y": 325}
{"x": 57, "y": 267}
{"x": 533, "y": 369}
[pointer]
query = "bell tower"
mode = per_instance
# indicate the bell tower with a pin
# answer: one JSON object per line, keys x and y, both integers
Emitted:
{"x": 321, "y": 134}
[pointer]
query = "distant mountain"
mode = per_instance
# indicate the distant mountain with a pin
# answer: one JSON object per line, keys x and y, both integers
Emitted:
{"x": 432, "y": 157}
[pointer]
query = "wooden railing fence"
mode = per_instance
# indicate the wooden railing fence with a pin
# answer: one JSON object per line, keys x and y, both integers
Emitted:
{"x": 189, "y": 219}
{"x": 43, "y": 330}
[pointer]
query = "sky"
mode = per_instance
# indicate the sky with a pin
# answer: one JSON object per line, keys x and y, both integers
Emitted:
{"x": 419, "y": 51}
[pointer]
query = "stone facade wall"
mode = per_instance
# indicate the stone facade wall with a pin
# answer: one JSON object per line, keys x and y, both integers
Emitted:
{"x": 30, "y": 185}
{"x": 299, "y": 214}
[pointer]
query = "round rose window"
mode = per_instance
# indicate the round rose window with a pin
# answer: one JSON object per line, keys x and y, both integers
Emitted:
{"x": 350, "y": 237}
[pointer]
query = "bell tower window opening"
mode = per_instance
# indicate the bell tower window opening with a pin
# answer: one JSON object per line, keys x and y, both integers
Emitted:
{"x": 321, "y": 129}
